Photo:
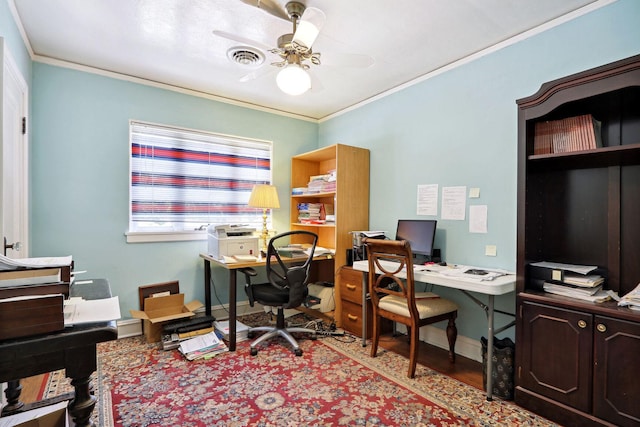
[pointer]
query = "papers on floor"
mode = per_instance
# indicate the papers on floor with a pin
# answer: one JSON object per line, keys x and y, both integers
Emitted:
{"x": 7, "y": 263}
{"x": 78, "y": 311}
{"x": 632, "y": 299}
{"x": 50, "y": 415}
{"x": 222, "y": 326}
{"x": 202, "y": 346}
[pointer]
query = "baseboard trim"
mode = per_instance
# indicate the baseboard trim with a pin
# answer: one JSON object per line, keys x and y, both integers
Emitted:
{"x": 465, "y": 346}
{"x": 133, "y": 327}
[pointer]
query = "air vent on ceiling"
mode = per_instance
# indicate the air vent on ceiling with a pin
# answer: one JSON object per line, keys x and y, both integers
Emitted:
{"x": 245, "y": 56}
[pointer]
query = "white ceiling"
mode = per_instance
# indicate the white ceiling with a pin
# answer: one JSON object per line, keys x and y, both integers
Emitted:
{"x": 172, "y": 42}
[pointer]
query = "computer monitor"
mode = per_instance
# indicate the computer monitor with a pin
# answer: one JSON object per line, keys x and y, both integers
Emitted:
{"x": 420, "y": 233}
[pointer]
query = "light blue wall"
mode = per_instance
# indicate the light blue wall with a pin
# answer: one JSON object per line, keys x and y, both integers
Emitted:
{"x": 13, "y": 42}
{"x": 80, "y": 169}
{"x": 460, "y": 128}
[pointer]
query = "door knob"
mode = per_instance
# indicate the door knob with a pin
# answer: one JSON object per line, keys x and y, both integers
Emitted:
{"x": 15, "y": 246}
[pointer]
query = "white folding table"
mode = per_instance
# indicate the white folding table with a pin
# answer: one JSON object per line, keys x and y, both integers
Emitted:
{"x": 498, "y": 286}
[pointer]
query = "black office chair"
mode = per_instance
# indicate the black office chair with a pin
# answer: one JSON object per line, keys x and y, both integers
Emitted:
{"x": 287, "y": 288}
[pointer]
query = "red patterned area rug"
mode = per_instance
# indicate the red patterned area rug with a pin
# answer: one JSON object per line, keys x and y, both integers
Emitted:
{"x": 333, "y": 383}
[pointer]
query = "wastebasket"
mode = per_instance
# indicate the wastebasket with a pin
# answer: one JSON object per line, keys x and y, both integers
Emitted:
{"x": 502, "y": 367}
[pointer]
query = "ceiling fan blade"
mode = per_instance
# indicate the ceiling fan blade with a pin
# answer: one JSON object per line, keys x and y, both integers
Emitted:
{"x": 316, "y": 84}
{"x": 350, "y": 60}
{"x": 309, "y": 27}
{"x": 242, "y": 40}
{"x": 269, "y": 6}
{"x": 257, "y": 74}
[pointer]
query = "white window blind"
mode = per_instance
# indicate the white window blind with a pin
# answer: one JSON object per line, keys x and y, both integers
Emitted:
{"x": 182, "y": 179}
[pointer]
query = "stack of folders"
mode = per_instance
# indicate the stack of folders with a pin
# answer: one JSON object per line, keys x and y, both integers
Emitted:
{"x": 203, "y": 346}
{"x": 632, "y": 299}
{"x": 583, "y": 287}
{"x": 222, "y": 327}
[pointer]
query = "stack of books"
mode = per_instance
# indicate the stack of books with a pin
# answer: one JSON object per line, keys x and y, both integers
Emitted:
{"x": 309, "y": 213}
{"x": 202, "y": 346}
{"x": 325, "y": 183}
{"x": 567, "y": 135}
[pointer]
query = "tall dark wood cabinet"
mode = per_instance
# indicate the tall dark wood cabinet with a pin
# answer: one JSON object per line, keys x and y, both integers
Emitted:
{"x": 577, "y": 361}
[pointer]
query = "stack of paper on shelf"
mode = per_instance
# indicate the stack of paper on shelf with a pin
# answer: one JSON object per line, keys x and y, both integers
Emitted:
{"x": 632, "y": 299}
{"x": 202, "y": 346}
{"x": 222, "y": 326}
{"x": 575, "y": 281}
{"x": 595, "y": 294}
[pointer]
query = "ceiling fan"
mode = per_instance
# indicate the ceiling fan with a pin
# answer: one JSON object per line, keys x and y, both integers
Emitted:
{"x": 295, "y": 48}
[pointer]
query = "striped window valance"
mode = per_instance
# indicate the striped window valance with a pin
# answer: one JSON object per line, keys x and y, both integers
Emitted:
{"x": 182, "y": 179}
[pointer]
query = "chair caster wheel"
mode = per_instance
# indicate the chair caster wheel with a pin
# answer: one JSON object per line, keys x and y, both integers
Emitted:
{"x": 254, "y": 351}
{"x": 314, "y": 337}
{"x": 298, "y": 352}
{"x": 250, "y": 335}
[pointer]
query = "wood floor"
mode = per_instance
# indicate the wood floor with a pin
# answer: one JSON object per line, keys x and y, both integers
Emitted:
{"x": 464, "y": 370}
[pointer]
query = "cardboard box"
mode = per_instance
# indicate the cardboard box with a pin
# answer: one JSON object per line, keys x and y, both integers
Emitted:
{"x": 47, "y": 416}
{"x": 161, "y": 309}
{"x": 31, "y": 315}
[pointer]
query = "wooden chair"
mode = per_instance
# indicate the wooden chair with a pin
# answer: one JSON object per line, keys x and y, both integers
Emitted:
{"x": 395, "y": 298}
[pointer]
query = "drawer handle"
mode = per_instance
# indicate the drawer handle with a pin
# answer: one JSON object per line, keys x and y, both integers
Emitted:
{"x": 352, "y": 317}
{"x": 582, "y": 324}
{"x": 351, "y": 287}
{"x": 601, "y": 327}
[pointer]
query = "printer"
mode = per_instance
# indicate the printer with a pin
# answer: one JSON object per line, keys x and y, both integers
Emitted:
{"x": 230, "y": 240}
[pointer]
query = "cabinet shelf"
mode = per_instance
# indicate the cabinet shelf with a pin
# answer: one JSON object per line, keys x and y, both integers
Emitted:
{"x": 302, "y": 224}
{"x": 600, "y": 157}
{"x": 313, "y": 195}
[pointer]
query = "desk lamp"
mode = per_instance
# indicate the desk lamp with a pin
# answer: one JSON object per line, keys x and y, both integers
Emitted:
{"x": 266, "y": 197}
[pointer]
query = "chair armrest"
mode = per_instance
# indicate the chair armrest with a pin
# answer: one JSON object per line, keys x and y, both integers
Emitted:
{"x": 248, "y": 272}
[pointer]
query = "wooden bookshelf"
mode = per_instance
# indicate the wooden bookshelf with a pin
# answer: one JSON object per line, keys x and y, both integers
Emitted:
{"x": 350, "y": 199}
{"x": 580, "y": 206}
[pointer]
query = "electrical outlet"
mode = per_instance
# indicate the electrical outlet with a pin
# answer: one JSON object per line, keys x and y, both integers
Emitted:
{"x": 490, "y": 250}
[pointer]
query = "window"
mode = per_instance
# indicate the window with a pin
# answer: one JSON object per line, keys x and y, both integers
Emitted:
{"x": 182, "y": 180}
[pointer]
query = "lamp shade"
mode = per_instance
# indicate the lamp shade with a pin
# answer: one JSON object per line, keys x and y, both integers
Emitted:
{"x": 264, "y": 196}
{"x": 293, "y": 80}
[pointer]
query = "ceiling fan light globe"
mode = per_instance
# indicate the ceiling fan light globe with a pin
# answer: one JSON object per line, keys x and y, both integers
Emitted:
{"x": 309, "y": 27}
{"x": 293, "y": 80}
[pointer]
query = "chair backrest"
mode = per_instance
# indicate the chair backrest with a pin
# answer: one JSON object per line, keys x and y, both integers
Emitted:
{"x": 386, "y": 259}
{"x": 291, "y": 276}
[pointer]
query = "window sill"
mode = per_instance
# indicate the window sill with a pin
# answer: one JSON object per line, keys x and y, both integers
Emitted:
{"x": 165, "y": 236}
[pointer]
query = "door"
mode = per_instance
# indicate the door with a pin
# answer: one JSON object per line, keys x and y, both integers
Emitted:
{"x": 616, "y": 386}
{"x": 14, "y": 152}
{"x": 556, "y": 354}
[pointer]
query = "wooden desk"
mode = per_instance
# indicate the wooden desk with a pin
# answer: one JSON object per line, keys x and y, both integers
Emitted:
{"x": 73, "y": 349}
{"x": 498, "y": 286}
{"x": 233, "y": 269}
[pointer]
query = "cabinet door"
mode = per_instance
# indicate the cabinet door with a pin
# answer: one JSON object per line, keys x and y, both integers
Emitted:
{"x": 557, "y": 349}
{"x": 616, "y": 383}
